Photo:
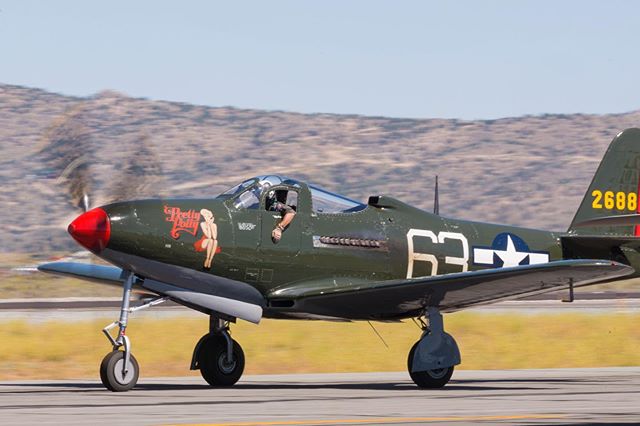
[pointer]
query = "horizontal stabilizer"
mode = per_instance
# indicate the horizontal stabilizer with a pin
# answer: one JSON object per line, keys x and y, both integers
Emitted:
{"x": 596, "y": 244}
{"x": 619, "y": 220}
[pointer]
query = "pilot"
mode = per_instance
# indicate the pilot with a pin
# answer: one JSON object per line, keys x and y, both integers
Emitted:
{"x": 279, "y": 205}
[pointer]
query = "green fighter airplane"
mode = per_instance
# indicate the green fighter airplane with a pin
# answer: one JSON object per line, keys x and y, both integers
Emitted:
{"x": 275, "y": 247}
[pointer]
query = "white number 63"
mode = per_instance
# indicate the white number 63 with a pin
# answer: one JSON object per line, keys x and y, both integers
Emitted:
{"x": 431, "y": 258}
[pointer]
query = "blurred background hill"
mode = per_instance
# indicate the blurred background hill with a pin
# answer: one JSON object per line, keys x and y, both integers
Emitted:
{"x": 527, "y": 171}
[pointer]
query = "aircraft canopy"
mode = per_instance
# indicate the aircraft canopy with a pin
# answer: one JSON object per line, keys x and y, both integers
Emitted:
{"x": 248, "y": 194}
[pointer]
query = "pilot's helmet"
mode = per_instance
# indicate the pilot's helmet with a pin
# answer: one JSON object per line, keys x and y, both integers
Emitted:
{"x": 264, "y": 185}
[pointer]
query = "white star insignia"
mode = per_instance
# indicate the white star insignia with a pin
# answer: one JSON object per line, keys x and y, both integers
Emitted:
{"x": 510, "y": 256}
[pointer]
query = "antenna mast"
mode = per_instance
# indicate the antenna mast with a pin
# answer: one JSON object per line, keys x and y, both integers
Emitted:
{"x": 436, "y": 201}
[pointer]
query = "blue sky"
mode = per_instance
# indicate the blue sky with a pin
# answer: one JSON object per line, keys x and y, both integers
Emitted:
{"x": 452, "y": 59}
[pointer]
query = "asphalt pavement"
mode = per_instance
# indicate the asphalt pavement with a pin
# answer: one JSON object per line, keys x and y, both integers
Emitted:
{"x": 559, "y": 396}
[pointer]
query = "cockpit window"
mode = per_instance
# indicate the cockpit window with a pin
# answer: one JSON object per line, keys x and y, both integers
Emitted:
{"x": 251, "y": 190}
{"x": 250, "y": 199}
{"x": 284, "y": 197}
{"x": 248, "y": 194}
{"x": 327, "y": 202}
{"x": 239, "y": 187}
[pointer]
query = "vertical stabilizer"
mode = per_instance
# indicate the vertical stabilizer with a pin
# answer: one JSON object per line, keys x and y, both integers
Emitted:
{"x": 614, "y": 190}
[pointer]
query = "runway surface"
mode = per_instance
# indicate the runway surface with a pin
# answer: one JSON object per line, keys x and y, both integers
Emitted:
{"x": 563, "y": 396}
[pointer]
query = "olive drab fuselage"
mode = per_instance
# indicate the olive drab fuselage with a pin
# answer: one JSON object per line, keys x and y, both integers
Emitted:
{"x": 385, "y": 240}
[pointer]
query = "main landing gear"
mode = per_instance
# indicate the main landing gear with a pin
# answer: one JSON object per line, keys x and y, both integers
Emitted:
{"x": 119, "y": 369}
{"x": 432, "y": 359}
{"x": 219, "y": 358}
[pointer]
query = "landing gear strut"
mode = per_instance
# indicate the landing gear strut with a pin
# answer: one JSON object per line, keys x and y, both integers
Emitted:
{"x": 219, "y": 358}
{"x": 432, "y": 359}
{"x": 119, "y": 370}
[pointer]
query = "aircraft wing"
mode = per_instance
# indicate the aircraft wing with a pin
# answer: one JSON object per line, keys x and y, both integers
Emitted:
{"x": 197, "y": 290}
{"x": 406, "y": 298}
{"x": 101, "y": 274}
{"x": 394, "y": 299}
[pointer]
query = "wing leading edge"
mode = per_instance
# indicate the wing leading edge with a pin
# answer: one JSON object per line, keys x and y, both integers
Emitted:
{"x": 408, "y": 298}
{"x": 101, "y": 274}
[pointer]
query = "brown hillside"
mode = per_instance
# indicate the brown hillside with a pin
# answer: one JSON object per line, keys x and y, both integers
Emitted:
{"x": 529, "y": 171}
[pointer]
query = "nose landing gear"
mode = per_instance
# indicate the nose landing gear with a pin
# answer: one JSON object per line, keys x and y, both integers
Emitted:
{"x": 119, "y": 370}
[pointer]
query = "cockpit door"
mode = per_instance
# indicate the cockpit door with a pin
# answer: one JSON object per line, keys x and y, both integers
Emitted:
{"x": 289, "y": 245}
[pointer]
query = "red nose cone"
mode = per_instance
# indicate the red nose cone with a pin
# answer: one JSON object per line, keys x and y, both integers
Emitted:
{"x": 91, "y": 229}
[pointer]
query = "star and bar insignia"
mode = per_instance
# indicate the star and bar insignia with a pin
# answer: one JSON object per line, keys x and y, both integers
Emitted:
{"x": 508, "y": 250}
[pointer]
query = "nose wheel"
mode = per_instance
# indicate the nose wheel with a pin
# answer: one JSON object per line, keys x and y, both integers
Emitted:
{"x": 116, "y": 375}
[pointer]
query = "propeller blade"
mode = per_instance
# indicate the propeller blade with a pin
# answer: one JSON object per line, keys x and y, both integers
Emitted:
{"x": 67, "y": 150}
{"x": 140, "y": 176}
{"x": 77, "y": 177}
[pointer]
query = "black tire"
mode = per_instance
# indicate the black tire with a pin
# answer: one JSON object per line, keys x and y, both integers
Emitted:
{"x": 111, "y": 372}
{"x": 212, "y": 358}
{"x": 430, "y": 379}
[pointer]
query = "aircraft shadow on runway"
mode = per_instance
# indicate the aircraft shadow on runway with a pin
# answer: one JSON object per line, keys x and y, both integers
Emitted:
{"x": 454, "y": 385}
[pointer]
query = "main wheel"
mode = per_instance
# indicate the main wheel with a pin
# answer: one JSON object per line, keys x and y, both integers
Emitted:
{"x": 430, "y": 379}
{"x": 112, "y": 376}
{"x": 215, "y": 367}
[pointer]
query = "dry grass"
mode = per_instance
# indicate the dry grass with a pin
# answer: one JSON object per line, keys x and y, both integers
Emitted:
{"x": 488, "y": 341}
